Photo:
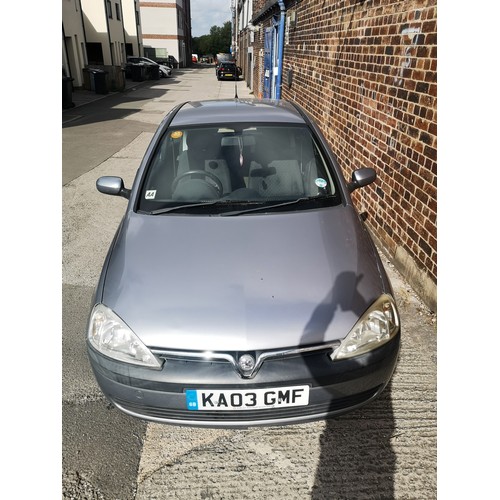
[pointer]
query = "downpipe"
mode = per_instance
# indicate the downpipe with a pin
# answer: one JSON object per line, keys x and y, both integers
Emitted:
{"x": 281, "y": 42}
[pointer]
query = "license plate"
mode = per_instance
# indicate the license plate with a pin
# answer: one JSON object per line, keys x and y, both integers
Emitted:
{"x": 255, "y": 399}
{"x": 228, "y": 74}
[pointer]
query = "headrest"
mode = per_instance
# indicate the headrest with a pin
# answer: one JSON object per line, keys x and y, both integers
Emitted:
{"x": 232, "y": 140}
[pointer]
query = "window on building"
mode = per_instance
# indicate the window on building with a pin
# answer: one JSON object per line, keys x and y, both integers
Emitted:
{"x": 118, "y": 16}
{"x": 109, "y": 9}
{"x": 179, "y": 19}
{"x": 94, "y": 53}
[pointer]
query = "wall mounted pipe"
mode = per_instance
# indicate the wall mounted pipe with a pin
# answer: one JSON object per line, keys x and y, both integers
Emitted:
{"x": 281, "y": 43}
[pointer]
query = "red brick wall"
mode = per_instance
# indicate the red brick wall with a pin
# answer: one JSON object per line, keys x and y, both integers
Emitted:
{"x": 367, "y": 71}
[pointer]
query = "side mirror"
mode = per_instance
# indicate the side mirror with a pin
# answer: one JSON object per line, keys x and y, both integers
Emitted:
{"x": 361, "y": 177}
{"x": 113, "y": 186}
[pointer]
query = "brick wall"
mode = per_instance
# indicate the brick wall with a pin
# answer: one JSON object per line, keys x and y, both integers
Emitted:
{"x": 367, "y": 71}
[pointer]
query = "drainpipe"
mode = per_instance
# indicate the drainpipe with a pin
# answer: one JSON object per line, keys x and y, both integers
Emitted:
{"x": 109, "y": 32}
{"x": 281, "y": 42}
{"x": 124, "y": 51}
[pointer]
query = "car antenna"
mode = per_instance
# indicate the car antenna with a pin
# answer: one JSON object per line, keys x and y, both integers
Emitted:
{"x": 235, "y": 84}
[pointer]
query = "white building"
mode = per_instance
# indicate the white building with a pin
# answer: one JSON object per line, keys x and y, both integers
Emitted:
{"x": 99, "y": 34}
{"x": 166, "y": 25}
{"x": 102, "y": 33}
{"x": 74, "y": 56}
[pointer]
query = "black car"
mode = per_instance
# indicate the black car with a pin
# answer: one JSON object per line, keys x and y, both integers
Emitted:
{"x": 228, "y": 71}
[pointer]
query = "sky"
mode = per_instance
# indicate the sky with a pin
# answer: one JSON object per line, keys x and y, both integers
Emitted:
{"x": 208, "y": 13}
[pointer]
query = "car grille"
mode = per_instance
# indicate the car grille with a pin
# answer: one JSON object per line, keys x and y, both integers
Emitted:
{"x": 260, "y": 356}
{"x": 335, "y": 406}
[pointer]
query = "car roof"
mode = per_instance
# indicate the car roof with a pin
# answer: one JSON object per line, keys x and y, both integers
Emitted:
{"x": 140, "y": 57}
{"x": 237, "y": 111}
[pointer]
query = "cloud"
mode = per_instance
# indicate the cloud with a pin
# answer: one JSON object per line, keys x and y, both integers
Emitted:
{"x": 205, "y": 14}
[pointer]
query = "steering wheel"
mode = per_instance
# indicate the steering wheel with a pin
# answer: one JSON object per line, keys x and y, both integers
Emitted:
{"x": 189, "y": 173}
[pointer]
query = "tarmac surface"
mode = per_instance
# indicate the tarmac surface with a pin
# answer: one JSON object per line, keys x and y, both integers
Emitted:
{"x": 81, "y": 96}
{"x": 386, "y": 450}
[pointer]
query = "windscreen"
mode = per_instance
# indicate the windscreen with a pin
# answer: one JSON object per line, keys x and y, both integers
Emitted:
{"x": 229, "y": 167}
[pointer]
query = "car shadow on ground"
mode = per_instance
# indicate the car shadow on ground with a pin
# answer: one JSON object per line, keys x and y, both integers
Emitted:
{"x": 356, "y": 457}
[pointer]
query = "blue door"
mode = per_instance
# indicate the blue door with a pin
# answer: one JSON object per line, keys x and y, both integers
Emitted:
{"x": 268, "y": 61}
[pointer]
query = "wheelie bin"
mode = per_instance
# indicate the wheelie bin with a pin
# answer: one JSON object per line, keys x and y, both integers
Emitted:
{"x": 100, "y": 84}
{"x": 138, "y": 71}
{"x": 67, "y": 92}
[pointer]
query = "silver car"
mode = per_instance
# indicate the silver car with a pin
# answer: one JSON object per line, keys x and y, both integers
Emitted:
{"x": 242, "y": 287}
{"x": 164, "y": 71}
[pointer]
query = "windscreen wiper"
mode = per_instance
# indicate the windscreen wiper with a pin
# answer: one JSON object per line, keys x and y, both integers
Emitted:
{"x": 179, "y": 207}
{"x": 269, "y": 207}
{"x": 261, "y": 207}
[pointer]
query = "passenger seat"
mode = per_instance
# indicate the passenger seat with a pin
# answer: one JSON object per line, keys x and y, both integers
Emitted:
{"x": 280, "y": 178}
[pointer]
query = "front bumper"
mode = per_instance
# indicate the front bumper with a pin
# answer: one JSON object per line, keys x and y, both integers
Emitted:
{"x": 159, "y": 395}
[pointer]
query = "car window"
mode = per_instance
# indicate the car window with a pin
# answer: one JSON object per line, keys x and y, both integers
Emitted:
{"x": 233, "y": 167}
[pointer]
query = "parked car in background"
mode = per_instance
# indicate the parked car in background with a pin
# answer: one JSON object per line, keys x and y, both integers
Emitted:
{"x": 228, "y": 71}
{"x": 223, "y": 57}
{"x": 242, "y": 287}
{"x": 165, "y": 71}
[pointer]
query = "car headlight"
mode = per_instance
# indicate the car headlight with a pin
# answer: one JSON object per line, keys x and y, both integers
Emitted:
{"x": 109, "y": 334}
{"x": 378, "y": 325}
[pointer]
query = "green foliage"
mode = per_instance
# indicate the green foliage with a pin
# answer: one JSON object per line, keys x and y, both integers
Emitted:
{"x": 219, "y": 40}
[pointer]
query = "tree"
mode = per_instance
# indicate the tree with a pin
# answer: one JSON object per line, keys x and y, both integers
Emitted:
{"x": 218, "y": 40}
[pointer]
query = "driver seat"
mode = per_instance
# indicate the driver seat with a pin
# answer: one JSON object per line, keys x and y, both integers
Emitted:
{"x": 203, "y": 153}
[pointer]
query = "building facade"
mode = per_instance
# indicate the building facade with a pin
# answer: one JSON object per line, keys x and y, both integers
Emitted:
{"x": 74, "y": 55}
{"x": 366, "y": 70}
{"x": 166, "y": 27}
{"x": 99, "y": 34}
{"x": 102, "y": 33}
{"x": 243, "y": 37}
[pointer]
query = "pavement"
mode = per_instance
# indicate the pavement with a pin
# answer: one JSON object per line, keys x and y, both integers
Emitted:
{"x": 386, "y": 450}
{"x": 81, "y": 96}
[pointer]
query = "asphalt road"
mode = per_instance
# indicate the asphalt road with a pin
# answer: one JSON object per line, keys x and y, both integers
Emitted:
{"x": 385, "y": 450}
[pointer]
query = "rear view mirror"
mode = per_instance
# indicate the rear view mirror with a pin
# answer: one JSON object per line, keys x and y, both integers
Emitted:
{"x": 113, "y": 186}
{"x": 361, "y": 177}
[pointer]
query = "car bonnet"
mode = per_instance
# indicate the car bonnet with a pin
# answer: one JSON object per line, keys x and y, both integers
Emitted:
{"x": 249, "y": 282}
